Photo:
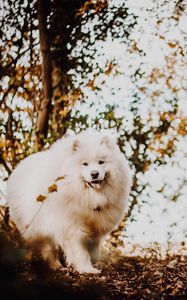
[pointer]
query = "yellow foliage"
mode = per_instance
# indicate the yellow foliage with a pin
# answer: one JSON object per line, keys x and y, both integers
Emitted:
{"x": 182, "y": 129}
{"x": 96, "y": 5}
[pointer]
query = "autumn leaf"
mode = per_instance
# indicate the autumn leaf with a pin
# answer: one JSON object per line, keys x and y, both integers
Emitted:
{"x": 171, "y": 45}
{"x": 52, "y": 188}
{"x": 91, "y": 84}
{"x": 40, "y": 198}
{"x": 109, "y": 69}
{"x": 60, "y": 178}
{"x": 117, "y": 233}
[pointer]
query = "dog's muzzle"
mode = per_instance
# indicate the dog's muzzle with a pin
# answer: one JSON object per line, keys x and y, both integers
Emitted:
{"x": 95, "y": 184}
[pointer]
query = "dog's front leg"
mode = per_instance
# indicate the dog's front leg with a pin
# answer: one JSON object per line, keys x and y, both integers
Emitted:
{"x": 77, "y": 255}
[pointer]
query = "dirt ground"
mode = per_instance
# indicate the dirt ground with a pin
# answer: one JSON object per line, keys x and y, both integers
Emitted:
{"x": 121, "y": 278}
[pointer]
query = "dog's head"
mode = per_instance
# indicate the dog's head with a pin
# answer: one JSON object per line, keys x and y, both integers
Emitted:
{"x": 93, "y": 154}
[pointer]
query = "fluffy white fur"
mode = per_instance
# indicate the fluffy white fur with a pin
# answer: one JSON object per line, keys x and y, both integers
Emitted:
{"x": 83, "y": 210}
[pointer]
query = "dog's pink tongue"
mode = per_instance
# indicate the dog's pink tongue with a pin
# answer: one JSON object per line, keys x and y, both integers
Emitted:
{"x": 96, "y": 185}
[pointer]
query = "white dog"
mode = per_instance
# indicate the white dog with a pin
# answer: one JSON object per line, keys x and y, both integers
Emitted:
{"x": 70, "y": 196}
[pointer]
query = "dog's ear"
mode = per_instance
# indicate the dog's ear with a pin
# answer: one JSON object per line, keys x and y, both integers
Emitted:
{"x": 107, "y": 141}
{"x": 75, "y": 145}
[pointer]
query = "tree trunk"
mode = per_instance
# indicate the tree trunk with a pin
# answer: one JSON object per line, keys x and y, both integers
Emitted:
{"x": 45, "y": 105}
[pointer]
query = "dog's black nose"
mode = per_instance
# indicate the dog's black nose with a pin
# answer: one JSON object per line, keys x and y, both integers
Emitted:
{"x": 94, "y": 174}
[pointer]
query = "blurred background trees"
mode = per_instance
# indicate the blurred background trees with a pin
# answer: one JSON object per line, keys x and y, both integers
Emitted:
{"x": 71, "y": 64}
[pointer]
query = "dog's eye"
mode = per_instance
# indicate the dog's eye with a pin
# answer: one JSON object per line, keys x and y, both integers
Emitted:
{"x": 85, "y": 163}
{"x": 100, "y": 162}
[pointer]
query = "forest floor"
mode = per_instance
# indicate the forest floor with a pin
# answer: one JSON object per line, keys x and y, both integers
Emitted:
{"x": 122, "y": 277}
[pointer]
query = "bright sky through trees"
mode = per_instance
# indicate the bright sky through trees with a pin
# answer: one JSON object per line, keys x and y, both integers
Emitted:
{"x": 158, "y": 36}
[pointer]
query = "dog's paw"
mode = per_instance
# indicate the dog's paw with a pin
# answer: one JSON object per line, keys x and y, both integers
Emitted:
{"x": 87, "y": 270}
{"x": 95, "y": 271}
